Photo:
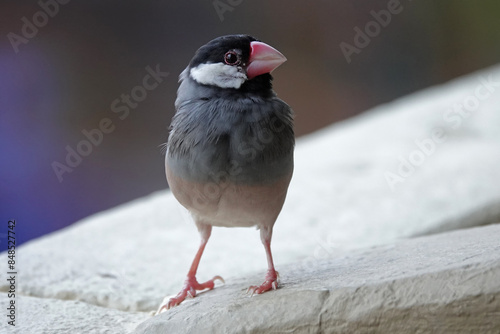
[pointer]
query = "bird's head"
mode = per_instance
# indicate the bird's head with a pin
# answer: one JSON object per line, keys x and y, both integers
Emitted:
{"x": 234, "y": 60}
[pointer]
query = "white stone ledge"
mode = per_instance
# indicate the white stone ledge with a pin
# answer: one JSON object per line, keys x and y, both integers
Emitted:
{"x": 55, "y": 316}
{"x": 447, "y": 283}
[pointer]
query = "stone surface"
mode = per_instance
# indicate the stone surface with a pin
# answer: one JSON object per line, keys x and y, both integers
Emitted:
{"x": 448, "y": 283}
{"x": 130, "y": 257}
{"x": 53, "y": 316}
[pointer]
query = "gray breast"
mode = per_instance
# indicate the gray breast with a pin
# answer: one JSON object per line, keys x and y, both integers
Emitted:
{"x": 242, "y": 140}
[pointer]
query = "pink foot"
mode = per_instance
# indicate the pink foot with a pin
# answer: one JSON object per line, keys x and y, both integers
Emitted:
{"x": 189, "y": 289}
{"x": 271, "y": 282}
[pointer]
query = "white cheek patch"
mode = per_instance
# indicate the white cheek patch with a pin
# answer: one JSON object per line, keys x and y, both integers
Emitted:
{"x": 218, "y": 74}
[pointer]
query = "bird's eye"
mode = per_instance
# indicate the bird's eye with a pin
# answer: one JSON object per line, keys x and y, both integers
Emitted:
{"x": 231, "y": 58}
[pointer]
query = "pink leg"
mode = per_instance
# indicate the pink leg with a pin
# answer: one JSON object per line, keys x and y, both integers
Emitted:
{"x": 271, "y": 279}
{"x": 191, "y": 285}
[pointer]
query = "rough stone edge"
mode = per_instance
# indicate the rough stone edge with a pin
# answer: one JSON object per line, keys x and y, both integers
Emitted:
{"x": 56, "y": 316}
{"x": 436, "y": 311}
{"x": 462, "y": 298}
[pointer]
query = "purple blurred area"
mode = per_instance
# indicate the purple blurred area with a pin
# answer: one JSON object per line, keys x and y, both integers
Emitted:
{"x": 84, "y": 56}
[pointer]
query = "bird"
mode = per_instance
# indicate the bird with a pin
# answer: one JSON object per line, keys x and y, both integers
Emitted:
{"x": 229, "y": 154}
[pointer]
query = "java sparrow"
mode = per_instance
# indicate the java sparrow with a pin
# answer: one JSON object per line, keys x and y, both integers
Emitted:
{"x": 229, "y": 156}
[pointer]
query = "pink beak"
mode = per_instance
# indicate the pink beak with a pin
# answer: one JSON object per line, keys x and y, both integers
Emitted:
{"x": 263, "y": 59}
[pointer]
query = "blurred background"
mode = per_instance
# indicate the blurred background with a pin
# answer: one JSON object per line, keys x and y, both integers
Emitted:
{"x": 66, "y": 66}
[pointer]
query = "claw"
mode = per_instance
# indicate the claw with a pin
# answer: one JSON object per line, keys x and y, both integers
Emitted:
{"x": 219, "y": 278}
{"x": 166, "y": 307}
{"x": 252, "y": 290}
{"x": 189, "y": 289}
{"x": 271, "y": 283}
